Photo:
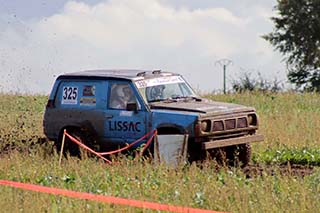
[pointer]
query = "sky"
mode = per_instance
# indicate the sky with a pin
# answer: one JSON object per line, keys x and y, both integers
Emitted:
{"x": 41, "y": 39}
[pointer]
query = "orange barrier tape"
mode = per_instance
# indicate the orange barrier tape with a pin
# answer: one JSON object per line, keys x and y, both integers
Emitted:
{"x": 154, "y": 132}
{"x": 85, "y": 147}
{"x": 99, "y": 154}
{"x": 104, "y": 199}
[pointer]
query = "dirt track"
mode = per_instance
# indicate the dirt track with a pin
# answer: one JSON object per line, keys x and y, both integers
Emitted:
{"x": 290, "y": 170}
{"x": 251, "y": 171}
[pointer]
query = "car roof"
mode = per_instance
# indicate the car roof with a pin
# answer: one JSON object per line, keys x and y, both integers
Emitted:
{"x": 116, "y": 74}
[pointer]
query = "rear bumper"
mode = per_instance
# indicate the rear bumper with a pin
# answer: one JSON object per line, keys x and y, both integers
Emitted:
{"x": 232, "y": 141}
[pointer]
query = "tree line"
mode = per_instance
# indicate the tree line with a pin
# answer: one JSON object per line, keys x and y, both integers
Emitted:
{"x": 296, "y": 35}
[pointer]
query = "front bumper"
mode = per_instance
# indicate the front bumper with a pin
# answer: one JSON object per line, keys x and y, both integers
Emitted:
{"x": 232, "y": 141}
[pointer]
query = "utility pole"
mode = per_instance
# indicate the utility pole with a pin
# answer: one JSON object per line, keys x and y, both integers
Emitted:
{"x": 224, "y": 63}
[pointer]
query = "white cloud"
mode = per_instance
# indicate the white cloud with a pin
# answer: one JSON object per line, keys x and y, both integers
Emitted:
{"x": 144, "y": 34}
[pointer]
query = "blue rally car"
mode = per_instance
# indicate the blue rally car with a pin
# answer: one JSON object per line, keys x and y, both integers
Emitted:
{"x": 107, "y": 109}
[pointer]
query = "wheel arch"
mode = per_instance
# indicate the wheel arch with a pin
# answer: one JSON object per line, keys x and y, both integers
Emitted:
{"x": 170, "y": 129}
{"x": 85, "y": 127}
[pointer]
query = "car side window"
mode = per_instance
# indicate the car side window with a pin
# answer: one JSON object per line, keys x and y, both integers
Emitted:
{"x": 120, "y": 95}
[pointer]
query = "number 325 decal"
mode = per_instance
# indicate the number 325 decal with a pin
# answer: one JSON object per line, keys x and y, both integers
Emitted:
{"x": 69, "y": 95}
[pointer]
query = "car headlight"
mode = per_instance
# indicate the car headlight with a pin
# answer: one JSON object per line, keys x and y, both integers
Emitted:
{"x": 252, "y": 119}
{"x": 205, "y": 126}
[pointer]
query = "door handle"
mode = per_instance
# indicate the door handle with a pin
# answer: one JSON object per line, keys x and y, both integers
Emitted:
{"x": 108, "y": 116}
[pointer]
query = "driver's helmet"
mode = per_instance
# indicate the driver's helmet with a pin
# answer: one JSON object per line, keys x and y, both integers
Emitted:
{"x": 119, "y": 92}
{"x": 157, "y": 91}
{"x": 127, "y": 92}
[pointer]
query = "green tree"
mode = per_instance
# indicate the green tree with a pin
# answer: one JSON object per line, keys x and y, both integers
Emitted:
{"x": 297, "y": 37}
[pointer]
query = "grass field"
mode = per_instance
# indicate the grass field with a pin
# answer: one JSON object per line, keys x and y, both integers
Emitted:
{"x": 290, "y": 123}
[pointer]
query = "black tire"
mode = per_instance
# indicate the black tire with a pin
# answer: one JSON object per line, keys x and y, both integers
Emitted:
{"x": 239, "y": 155}
{"x": 71, "y": 148}
{"x": 245, "y": 154}
{"x": 219, "y": 155}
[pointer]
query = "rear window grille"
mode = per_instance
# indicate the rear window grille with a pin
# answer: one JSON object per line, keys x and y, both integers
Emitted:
{"x": 230, "y": 124}
{"x": 242, "y": 123}
{"x": 217, "y": 126}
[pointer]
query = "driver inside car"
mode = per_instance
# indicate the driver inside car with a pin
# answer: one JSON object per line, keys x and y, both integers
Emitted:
{"x": 122, "y": 95}
{"x": 157, "y": 92}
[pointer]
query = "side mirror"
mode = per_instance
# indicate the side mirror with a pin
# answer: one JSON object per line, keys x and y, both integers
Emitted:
{"x": 132, "y": 106}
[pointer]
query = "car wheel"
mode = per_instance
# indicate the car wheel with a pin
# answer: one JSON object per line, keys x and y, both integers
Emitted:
{"x": 245, "y": 154}
{"x": 71, "y": 148}
{"x": 239, "y": 155}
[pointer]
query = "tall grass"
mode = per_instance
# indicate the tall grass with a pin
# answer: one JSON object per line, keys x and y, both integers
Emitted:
{"x": 21, "y": 118}
{"x": 191, "y": 186}
{"x": 225, "y": 190}
{"x": 288, "y": 121}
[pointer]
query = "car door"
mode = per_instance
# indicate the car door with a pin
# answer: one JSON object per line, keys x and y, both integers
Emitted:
{"x": 121, "y": 125}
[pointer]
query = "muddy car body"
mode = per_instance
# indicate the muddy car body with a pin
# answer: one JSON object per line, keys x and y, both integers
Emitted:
{"x": 86, "y": 104}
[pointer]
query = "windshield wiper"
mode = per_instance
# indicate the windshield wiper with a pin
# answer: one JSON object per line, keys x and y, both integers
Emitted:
{"x": 196, "y": 98}
{"x": 163, "y": 100}
{"x": 175, "y": 99}
{"x": 187, "y": 98}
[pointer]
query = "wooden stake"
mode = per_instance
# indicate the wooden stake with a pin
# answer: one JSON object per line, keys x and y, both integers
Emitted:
{"x": 62, "y": 146}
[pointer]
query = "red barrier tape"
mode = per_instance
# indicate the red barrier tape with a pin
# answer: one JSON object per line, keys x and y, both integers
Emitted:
{"x": 85, "y": 147}
{"x": 105, "y": 199}
{"x": 154, "y": 132}
{"x": 99, "y": 154}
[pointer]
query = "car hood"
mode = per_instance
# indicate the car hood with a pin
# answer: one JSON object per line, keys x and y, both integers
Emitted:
{"x": 204, "y": 106}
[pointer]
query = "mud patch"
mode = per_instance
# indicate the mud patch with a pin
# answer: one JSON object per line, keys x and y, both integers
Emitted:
{"x": 298, "y": 170}
{"x": 36, "y": 143}
{"x": 23, "y": 146}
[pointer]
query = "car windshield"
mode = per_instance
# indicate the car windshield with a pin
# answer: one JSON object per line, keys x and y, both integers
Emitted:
{"x": 164, "y": 89}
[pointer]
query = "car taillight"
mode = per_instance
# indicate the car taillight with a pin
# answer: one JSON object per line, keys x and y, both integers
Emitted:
{"x": 50, "y": 104}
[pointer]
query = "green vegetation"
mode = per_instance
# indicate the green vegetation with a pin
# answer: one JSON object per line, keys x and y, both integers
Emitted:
{"x": 290, "y": 123}
{"x": 287, "y": 120}
{"x": 293, "y": 156}
{"x": 296, "y": 36}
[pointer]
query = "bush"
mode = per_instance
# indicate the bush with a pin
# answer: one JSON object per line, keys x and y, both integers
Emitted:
{"x": 247, "y": 83}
